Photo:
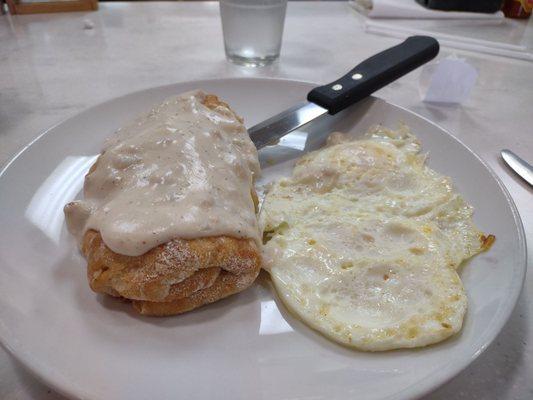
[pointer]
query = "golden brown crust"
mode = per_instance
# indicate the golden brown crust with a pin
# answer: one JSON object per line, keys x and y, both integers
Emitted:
{"x": 487, "y": 242}
{"x": 202, "y": 270}
{"x": 177, "y": 276}
{"x": 225, "y": 285}
{"x": 211, "y": 101}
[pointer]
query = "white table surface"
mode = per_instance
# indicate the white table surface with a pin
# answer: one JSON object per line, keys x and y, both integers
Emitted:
{"x": 51, "y": 68}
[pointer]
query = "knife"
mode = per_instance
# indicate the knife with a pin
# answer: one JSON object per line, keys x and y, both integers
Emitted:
{"x": 363, "y": 80}
{"x": 521, "y": 167}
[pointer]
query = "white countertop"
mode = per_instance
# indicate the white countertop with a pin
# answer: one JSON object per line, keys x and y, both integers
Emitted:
{"x": 51, "y": 68}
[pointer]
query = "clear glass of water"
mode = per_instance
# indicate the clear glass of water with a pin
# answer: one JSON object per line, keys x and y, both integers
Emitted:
{"x": 252, "y": 30}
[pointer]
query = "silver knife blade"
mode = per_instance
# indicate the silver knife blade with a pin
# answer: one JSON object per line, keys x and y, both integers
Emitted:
{"x": 271, "y": 130}
{"x": 521, "y": 167}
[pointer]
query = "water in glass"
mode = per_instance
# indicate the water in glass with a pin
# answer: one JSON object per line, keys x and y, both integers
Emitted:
{"x": 252, "y": 30}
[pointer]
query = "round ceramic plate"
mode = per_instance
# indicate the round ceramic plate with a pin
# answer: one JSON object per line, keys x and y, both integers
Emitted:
{"x": 247, "y": 346}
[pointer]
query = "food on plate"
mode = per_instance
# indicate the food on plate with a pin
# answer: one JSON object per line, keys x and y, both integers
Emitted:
{"x": 168, "y": 218}
{"x": 364, "y": 240}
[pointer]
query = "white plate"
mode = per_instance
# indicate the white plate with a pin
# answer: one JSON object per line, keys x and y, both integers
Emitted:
{"x": 247, "y": 346}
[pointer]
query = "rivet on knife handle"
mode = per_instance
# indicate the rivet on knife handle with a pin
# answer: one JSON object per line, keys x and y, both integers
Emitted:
{"x": 374, "y": 73}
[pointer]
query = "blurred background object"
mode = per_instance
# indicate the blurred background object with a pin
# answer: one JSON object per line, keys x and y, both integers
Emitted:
{"x": 518, "y": 8}
{"x": 426, "y": 9}
{"x": 448, "y": 81}
{"x": 482, "y": 32}
{"x": 43, "y": 6}
{"x": 482, "y": 6}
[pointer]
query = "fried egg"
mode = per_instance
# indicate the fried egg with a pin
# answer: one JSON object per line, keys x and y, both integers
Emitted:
{"x": 363, "y": 243}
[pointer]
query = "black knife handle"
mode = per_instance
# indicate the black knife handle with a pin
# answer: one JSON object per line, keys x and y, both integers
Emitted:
{"x": 374, "y": 73}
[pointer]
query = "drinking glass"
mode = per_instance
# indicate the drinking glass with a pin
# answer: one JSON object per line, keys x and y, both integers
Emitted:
{"x": 252, "y": 30}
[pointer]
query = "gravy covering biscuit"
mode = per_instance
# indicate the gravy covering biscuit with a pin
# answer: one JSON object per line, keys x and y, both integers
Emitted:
{"x": 168, "y": 218}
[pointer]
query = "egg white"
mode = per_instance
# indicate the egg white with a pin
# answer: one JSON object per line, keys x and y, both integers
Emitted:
{"x": 364, "y": 240}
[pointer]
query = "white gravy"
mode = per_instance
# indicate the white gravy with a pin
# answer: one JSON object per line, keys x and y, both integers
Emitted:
{"x": 180, "y": 171}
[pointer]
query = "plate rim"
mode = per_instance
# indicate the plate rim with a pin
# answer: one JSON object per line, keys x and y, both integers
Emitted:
{"x": 66, "y": 388}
